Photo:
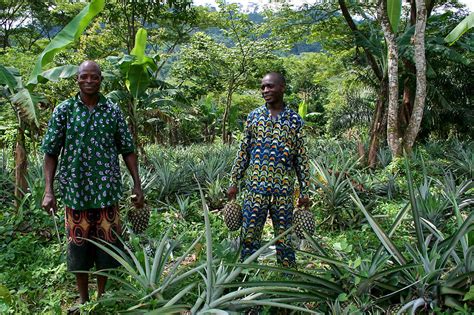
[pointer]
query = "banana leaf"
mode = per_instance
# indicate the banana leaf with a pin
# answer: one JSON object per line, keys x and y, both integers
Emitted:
{"x": 460, "y": 29}
{"x": 394, "y": 10}
{"x": 7, "y": 78}
{"x": 57, "y": 73}
{"x": 138, "y": 78}
{"x": 26, "y": 103}
{"x": 65, "y": 37}
{"x": 303, "y": 109}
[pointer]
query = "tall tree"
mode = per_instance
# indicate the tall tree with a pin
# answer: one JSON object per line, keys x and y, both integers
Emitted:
{"x": 379, "y": 120}
{"x": 226, "y": 67}
{"x": 165, "y": 21}
{"x": 396, "y": 136}
{"x": 393, "y": 133}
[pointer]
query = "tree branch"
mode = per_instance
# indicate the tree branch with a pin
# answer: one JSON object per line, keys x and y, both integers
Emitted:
{"x": 370, "y": 57}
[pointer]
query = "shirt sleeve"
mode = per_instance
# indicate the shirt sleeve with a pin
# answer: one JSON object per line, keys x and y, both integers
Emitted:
{"x": 123, "y": 137}
{"x": 243, "y": 155}
{"x": 55, "y": 136}
{"x": 302, "y": 162}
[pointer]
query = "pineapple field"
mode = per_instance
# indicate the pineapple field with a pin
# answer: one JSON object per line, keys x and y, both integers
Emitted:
{"x": 398, "y": 236}
{"x": 384, "y": 90}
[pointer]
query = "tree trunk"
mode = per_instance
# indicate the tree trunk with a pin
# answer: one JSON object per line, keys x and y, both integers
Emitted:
{"x": 393, "y": 133}
{"x": 225, "y": 116}
{"x": 407, "y": 106}
{"x": 21, "y": 167}
{"x": 420, "y": 64}
{"x": 407, "y": 100}
{"x": 378, "y": 125}
{"x": 132, "y": 121}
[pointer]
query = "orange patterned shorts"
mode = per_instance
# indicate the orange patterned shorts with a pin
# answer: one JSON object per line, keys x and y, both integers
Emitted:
{"x": 95, "y": 224}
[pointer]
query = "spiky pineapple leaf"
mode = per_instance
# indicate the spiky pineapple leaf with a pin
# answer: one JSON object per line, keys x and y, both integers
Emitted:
{"x": 469, "y": 295}
{"x": 382, "y": 236}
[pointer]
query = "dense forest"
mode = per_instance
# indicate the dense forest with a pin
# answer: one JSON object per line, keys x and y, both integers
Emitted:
{"x": 385, "y": 89}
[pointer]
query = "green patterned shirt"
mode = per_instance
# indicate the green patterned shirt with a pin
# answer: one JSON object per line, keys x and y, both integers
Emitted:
{"x": 89, "y": 142}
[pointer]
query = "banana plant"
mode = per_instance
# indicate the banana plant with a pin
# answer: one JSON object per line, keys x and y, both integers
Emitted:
{"x": 68, "y": 35}
{"x": 24, "y": 100}
{"x": 24, "y": 103}
{"x": 143, "y": 95}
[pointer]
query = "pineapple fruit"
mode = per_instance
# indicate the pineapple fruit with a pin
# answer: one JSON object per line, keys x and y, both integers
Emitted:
{"x": 233, "y": 215}
{"x": 303, "y": 220}
{"x": 139, "y": 218}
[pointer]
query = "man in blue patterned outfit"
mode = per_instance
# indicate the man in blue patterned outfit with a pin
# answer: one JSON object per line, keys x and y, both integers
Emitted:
{"x": 273, "y": 154}
{"x": 87, "y": 133}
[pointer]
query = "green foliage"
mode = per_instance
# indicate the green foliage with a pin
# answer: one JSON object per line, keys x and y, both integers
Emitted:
{"x": 180, "y": 82}
{"x": 345, "y": 269}
{"x": 137, "y": 71}
{"x": 66, "y": 36}
{"x": 332, "y": 188}
{"x": 394, "y": 11}
{"x": 150, "y": 279}
{"x": 464, "y": 26}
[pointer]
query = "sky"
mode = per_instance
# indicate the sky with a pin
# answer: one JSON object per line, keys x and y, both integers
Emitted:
{"x": 468, "y": 3}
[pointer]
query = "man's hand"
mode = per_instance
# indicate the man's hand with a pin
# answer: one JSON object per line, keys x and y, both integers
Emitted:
{"x": 137, "y": 197}
{"x": 49, "y": 203}
{"x": 232, "y": 192}
{"x": 303, "y": 202}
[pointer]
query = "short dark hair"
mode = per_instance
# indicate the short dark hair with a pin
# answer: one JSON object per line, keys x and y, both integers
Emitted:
{"x": 278, "y": 75}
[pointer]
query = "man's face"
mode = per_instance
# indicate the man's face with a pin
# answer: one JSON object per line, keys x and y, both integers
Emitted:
{"x": 272, "y": 89}
{"x": 89, "y": 79}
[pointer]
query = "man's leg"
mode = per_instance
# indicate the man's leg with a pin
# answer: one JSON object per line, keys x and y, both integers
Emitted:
{"x": 101, "y": 282}
{"x": 108, "y": 229}
{"x": 79, "y": 256}
{"x": 254, "y": 215}
{"x": 281, "y": 212}
{"x": 82, "y": 280}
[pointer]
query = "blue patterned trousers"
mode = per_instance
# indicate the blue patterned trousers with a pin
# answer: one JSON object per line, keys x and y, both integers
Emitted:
{"x": 255, "y": 211}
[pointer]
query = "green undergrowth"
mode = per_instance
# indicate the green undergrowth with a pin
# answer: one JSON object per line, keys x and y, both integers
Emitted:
{"x": 352, "y": 206}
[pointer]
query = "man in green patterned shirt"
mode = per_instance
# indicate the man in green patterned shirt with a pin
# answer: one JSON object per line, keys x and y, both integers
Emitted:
{"x": 85, "y": 135}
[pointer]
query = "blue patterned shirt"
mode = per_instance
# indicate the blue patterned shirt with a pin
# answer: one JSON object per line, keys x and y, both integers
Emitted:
{"x": 89, "y": 142}
{"x": 273, "y": 153}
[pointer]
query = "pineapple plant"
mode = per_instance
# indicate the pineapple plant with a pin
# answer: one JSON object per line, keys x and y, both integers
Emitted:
{"x": 303, "y": 220}
{"x": 232, "y": 215}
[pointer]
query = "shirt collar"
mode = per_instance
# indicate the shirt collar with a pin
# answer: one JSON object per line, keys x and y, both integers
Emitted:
{"x": 102, "y": 100}
{"x": 280, "y": 114}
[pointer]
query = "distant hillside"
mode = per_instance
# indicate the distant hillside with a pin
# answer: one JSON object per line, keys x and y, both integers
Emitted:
{"x": 298, "y": 48}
